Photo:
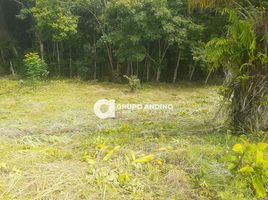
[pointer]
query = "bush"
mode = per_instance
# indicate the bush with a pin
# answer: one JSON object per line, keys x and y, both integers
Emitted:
{"x": 133, "y": 83}
{"x": 35, "y": 67}
{"x": 250, "y": 165}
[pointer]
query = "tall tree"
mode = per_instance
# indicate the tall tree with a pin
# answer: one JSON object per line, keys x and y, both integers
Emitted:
{"x": 243, "y": 53}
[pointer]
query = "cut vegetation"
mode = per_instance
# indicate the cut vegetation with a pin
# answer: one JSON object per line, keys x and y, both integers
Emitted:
{"x": 52, "y": 146}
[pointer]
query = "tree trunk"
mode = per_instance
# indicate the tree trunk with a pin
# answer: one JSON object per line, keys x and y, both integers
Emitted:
{"x": 206, "y": 81}
{"x": 58, "y": 58}
{"x": 128, "y": 68}
{"x": 158, "y": 71}
{"x": 176, "y": 69}
{"x": 117, "y": 69}
{"x": 131, "y": 68}
{"x": 158, "y": 74}
{"x": 15, "y": 51}
{"x": 137, "y": 72}
{"x": 54, "y": 54}
{"x": 162, "y": 51}
{"x": 61, "y": 51}
{"x": 3, "y": 56}
{"x": 148, "y": 69}
{"x": 12, "y": 69}
{"x": 110, "y": 56}
{"x": 95, "y": 59}
{"x": 42, "y": 52}
{"x": 192, "y": 73}
{"x": 71, "y": 63}
{"x": 95, "y": 71}
{"x": 148, "y": 63}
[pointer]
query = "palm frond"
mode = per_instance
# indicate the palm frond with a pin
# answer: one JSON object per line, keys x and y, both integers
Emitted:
{"x": 206, "y": 3}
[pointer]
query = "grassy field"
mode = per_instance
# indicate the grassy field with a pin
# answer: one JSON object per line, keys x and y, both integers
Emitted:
{"x": 52, "y": 146}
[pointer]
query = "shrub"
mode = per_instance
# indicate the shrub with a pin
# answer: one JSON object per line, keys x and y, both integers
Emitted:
{"x": 35, "y": 67}
{"x": 250, "y": 165}
{"x": 133, "y": 83}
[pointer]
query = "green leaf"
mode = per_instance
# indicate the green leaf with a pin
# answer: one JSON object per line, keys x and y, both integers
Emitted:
{"x": 262, "y": 146}
{"x": 259, "y": 187}
{"x": 101, "y": 146}
{"x": 167, "y": 148}
{"x": 110, "y": 153}
{"x": 123, "y": 179}
{"x": 145, "y": 159}
{"x": 229, "y": 158}
{"x": 132, "y": 154}
{"x": 247, "y": 169}
{"x": 259, "y": 157}
{"x": 91, "y": 161}
{"x": 238, "y": 148}
{"x": 231, "y": 167}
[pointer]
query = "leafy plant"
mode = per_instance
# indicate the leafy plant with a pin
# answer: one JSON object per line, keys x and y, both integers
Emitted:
{"x": 35, "y": 67}
{"x": 110, "y": 153}
{"x": 240, "y": 52}
{"x": 133, "y": 83}
{"x": 250, "y": 164}
{"x": 145, "y": 159}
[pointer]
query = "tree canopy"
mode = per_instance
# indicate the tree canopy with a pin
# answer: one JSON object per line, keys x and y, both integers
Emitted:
{"x": 101, "y": 40}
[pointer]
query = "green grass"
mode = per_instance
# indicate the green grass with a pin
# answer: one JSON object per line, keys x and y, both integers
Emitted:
{"x": 52, "y": 146}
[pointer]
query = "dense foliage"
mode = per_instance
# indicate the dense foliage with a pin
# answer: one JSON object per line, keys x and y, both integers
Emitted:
{"x": 156, "y": 40}
{"x": 243, "y": 52}
{"x": 35, "y": 67}
{"x": 250, "y": 165}
{"x": 133, "y": 83}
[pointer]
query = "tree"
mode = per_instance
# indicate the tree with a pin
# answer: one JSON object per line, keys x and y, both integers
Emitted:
{"x": 145, "y": 29}
{"x": 53, "y": 20}
{"x": 152, "y": 39}
{"x": 243, "y": 53}
{"x": 125, "y": 33}
{"x": 8, "y": 49}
